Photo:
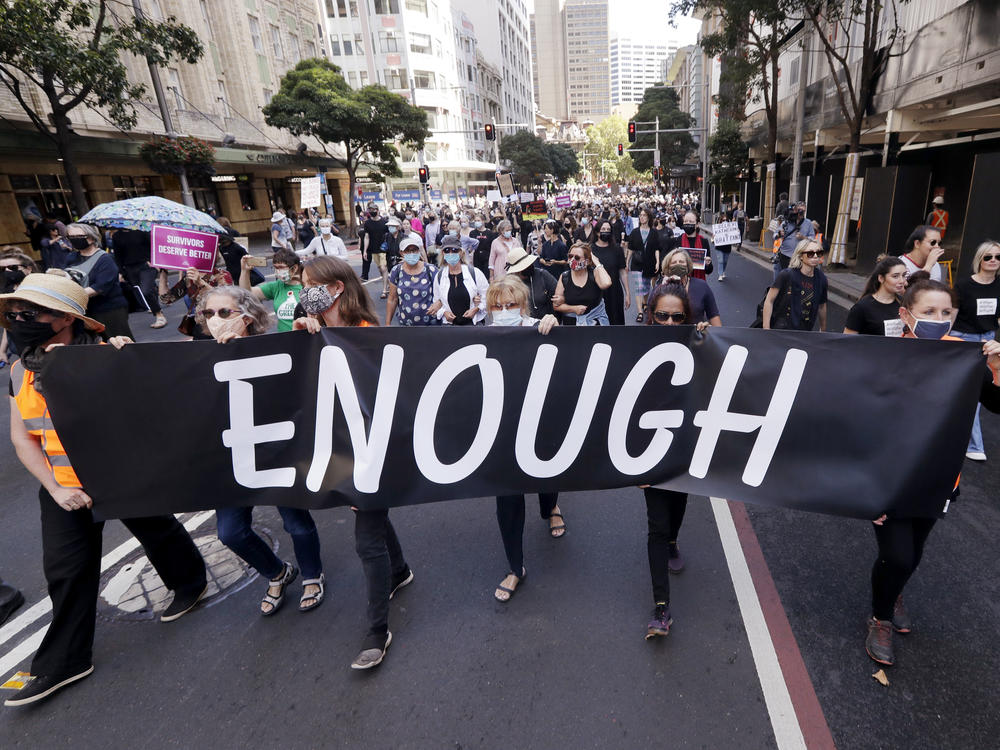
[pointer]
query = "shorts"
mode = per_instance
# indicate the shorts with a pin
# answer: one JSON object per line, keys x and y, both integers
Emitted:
{"x": 640, "y": 283}
{"x": 379, "y": 260}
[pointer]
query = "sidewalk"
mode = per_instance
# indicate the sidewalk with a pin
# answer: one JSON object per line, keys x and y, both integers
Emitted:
{"x": 843, "y": 282}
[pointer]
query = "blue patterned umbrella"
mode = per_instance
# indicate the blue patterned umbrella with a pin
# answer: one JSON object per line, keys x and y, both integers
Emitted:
{"x": 142, "y": 213}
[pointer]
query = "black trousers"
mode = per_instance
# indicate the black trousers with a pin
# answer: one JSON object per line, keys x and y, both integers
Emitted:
{"x": 366, "y": 262}
{"x": 783, "y": 260}
{"x": 115, "y": 323}
{"x": 664, "y": 516}
{"x": 900, "y": 547}
{"x": 144, "y": 277}
{"x": 71, "y": 557}
{"x": 510, "y": 519}
{"x": 382, "y": 558}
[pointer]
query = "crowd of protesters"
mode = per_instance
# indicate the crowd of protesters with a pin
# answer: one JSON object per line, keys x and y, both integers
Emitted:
{"x": 590, "y": 264}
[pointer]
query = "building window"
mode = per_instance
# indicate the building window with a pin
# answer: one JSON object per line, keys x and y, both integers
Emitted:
{"x": 335, "y": 45}
{"x": 245, "y": 187}
{"x": 258, "y": 43}
{"x": 276, "y": 43}
{"x": 352, "y": 79}
{"x": 394, "y": 79}
{"x": 268, "y": 96}
{"x": 311, "y": 49}
{"x": 204, "y": 18}
{"x": 354, "y": 8}
{"x": 359, "y": 45}
{"x": 420, "y": 43}
{"x": 293, "y": 48}
{"x": 424, "y": 79}
{"x": 175, "y": 87}
{"x": 420, "y": 6}
{"x": 331, "y": 11}
{"x": 386, "y": 7}
{"x": 347, "y": 47}
{"x": 223, "y": 99}
{"x": 389, "y": 41}
{"x": 130, "y": 187}
{"x": 206, "y": 198}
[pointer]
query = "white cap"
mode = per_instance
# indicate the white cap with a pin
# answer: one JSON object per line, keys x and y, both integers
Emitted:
{"x": 938, "y": 199}
{"x": 410, "y": 241}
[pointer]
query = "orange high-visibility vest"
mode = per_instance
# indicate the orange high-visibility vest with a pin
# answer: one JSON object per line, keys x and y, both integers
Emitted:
{"x": 35, "y": 414}
{"x": 939, "y": 220}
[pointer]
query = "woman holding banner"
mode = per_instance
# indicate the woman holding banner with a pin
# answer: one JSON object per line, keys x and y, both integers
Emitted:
{"x": 334, "y": 297}
{"x": 928, "y": 311}
{"x": 668, "y": 306}
{"x": 227, "y": 313}
{"x": 507, "y": 302}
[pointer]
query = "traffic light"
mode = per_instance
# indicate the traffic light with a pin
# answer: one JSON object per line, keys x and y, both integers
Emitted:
{"x": 423, "y": 174}
{"x": 490, "y": 134}
{"x": 621, "y": 149}
{"x": 631, "y": 132}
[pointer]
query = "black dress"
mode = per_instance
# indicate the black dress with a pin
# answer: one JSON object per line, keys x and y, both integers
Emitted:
{"x": 589, "y": 295}
{"x": 612, "y": 258}
{"x": 458, "y": 299}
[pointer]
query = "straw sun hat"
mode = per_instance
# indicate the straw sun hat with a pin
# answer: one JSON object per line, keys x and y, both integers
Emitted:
{"x": 53, "y": 292}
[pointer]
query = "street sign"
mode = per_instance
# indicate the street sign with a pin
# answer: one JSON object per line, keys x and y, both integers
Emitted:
{"x": 656, "y": 158}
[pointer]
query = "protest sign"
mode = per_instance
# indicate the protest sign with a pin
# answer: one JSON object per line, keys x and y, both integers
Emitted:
{"x": 535, "y": 210}
{"x": 726, "y": 233}
{"x": 181, "y": 249}
{"x": 697, "y": 257}
{"x": 563, "y": 201}
{"x": 311, "y": 191}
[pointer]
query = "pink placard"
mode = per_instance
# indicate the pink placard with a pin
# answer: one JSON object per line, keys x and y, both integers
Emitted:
{"x": 563, "y": 201}
{"x": 182, "y": 249}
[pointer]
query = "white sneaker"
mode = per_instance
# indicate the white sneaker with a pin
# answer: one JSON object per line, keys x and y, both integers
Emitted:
{"x": 975, "y": 456}
{"x": 722, "y": 277}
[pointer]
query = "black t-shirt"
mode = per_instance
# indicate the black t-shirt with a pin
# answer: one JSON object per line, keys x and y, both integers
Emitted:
{"x": 977, "y": 306}
{"x": 611, "y": 257}
{"x": 375, "y": 229}
{"x": 588, "y": 295}
{"x": 458, "y": 298}
{"x": 131, "y": 247}
{"x": 874, "y": 318}
{"x": 481, "y": 255}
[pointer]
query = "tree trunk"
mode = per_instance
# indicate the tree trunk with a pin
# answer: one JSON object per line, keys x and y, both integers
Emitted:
{"x": 64, "y": 144}
{"x": 352, "y": 217}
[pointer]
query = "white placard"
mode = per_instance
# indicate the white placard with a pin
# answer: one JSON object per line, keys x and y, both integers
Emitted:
{"x": 310, "y": 192}
{"x": 893, "y": 328}
{"x": 493, "y": 195}
{"x": 726, "y": 233}
{"x": 622, "y": 190}
{"x": 774, "y": 226}
{"x": 986, "y": 306}
{"x": 859, "y": 186}
{"x": 527, "y": 197}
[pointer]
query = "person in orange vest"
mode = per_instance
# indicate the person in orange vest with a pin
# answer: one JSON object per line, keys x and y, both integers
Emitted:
{"x": 45, "y": 311}
{"x": 938, "y": 217}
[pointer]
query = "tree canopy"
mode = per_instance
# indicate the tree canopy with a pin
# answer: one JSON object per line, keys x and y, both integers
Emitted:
{"x": 314, "y": 100}
{"x": 675, "y": 148}
{"x": 72, "y": 51}
{"x": 563, "y": 159}
{"x": 602, "y": 141}
{"x": 527, "y": 155}
{"x": 728, "y": 155}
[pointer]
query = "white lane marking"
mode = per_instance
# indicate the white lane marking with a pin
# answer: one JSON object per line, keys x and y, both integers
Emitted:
{"x": 43, "y": 607}
{"x": 22, "y": 651}
{"x": 787, "y": 732}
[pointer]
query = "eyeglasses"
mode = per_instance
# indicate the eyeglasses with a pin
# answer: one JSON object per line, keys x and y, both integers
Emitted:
{"x": 663, "y": 317}
{"x": 575, "y": 257}
{"x": 814, "y": 253}
{"x": 505, "y": 306}
{"x": 225, "y": 313}
{"x": 933, "y": 243}
{"x": 991, "y": 257}
{"x": 25, "y": 315}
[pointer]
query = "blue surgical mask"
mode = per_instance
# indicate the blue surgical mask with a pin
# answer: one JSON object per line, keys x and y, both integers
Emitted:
{"x": 453, "y": 232}
{"x": 479, "y": 225}
{"x": 411, "y": 259}
{"x": 451, "y": 258}
{"x": 930, "y": 329}
{"x": 507, "y": 318}
{"x": 393, "y": 229}
{"x": 506, "y": 235}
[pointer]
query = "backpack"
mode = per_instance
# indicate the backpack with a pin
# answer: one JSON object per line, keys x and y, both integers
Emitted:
{"x": 781, "y": 310}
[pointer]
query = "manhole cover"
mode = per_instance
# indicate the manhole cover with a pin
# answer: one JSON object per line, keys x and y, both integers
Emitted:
{"x": 133, "y": 591}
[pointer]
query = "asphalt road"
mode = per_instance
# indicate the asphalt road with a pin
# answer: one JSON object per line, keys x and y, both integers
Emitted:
{"x": 564, "y": 664}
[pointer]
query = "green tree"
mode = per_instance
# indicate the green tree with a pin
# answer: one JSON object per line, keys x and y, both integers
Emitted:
{"x": 72, "y": 50}
{"x": 675, "y": 148}
{"x": 527, "y": 155}
{"x": 750, "y": 36}
{"x": 563, "y": 160}
{"x": 602, "y": 149}
{"x": 728, "y": 155}
{"x": 315, "y": 100}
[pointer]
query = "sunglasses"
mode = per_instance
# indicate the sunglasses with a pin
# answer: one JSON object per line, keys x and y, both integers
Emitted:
{"x": 991, "y": 257}
{"x": 225, "y": 313}
{"x": 663, "y": 317}
{"x": 12, "y": 265}
{"x": 933, "y": 243}
{"x": 814, "y": 253}
{"x": 25, "y": 315}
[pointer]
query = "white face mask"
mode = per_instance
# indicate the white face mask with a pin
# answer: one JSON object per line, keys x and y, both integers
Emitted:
{"x": 325, "y": 230}
{"x": 218, "y": 326}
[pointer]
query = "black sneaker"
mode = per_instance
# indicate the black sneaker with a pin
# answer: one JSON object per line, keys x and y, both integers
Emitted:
{"x": 676, "y": 562}
{"x": 399, "y": 581}
{"x": 661, "y": 622}
{"x": 10, "y": 607}
{"x": 184, "y": 602}
{"x": 878, "y": 644}
{"x": 372, "y": 652}
{"x": 900, "y": 617}
{"x": 43, "y": 686}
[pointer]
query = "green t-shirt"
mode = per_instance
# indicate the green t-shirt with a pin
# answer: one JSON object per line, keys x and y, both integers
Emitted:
{"x": 285, "y": 297}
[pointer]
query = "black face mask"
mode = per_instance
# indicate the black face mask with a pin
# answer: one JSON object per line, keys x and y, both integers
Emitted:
{"x": 27, "y": 334}
{"x": 605, "y": 236}
{"x": 80, "y": 243}
{"x": 11, "y": 278}
{"x": 690, "y": 229}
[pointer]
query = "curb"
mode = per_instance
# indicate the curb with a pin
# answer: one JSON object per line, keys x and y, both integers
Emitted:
{"x": 845, "y": 291}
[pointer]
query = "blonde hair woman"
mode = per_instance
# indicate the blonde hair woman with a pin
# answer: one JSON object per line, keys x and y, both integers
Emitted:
{"x": 797, "y": 298}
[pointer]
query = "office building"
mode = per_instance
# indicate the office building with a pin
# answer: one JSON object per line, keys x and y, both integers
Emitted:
{"x": 635, "y": 66}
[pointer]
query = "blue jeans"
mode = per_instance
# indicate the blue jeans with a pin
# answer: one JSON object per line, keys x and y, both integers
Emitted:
{"x": 722, "y": 256}
{"x": 234, "y": 530}
{"x": 382, "y": 558}
{"x": 976, "y": 439}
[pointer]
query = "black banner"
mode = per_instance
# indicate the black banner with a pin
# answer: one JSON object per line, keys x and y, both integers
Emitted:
{"x": 380, "y": 417}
